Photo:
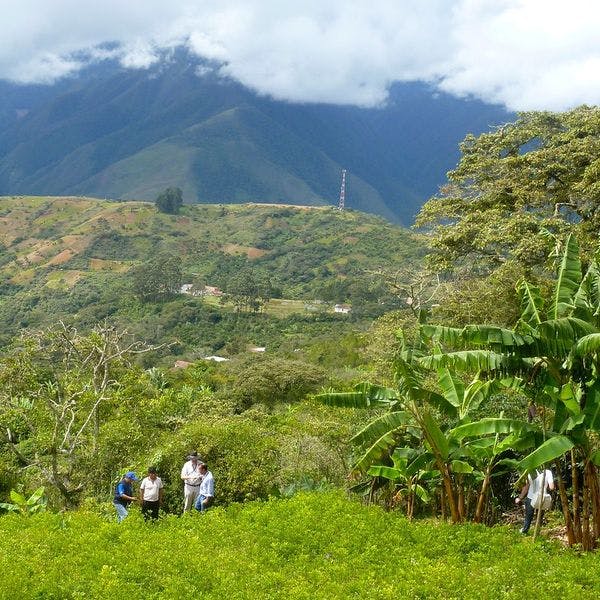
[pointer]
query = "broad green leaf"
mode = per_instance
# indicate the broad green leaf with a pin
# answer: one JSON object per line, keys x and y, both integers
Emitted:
{"x": 568, "y": 280}
{"x": 552, "y": 448}
{"x": 488, "y": 426}
{"x": 7, "y": 506}
{"x": 422, "y": 494}
{"x": 572, "y": 422}
{"x": 387, "y": 423}
{"x": 531, "y": 305}
{"x": 567, "y": 396}
{"x": 474, "y": 360}
{"x": 459, "y": 466}
{"x": 420, "y": 463}
{"x": 435, "y": 437}
{"x": 452, "y": 387}
{"x": 386, "y": 472}
{"x": 365, "y": 395}
{"x": 375, "y": 453}
{"x": 18, "y": 498}
{"x": 588, "y": 344}
{"x": 592, "y": 407}
{"x": 35, "y": 497}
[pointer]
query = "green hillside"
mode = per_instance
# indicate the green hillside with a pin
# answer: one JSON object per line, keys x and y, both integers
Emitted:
{"x": 74, "y": 258}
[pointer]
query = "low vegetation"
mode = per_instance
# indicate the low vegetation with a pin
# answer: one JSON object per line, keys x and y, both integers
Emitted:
{"x": 317, "y": 545}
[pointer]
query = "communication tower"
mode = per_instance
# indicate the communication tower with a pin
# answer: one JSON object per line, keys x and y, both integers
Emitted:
{"x": 342, "y": 201}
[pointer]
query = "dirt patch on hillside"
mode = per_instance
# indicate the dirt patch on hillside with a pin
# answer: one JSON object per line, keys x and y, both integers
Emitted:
{"x": 62, "y": 257}
{"x": 99, "y": 264}
{"x": 249, "y": 251}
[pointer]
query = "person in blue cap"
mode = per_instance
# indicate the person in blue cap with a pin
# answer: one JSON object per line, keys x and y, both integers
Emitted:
{"x": 124, "y": 495}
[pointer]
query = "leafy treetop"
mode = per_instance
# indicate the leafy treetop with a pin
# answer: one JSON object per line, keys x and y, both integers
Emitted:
{"x": 540, "y": 173}
{"x": 170, "y": 201}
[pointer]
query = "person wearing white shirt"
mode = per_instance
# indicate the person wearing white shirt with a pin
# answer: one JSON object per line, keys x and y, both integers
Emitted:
{"x": 192, "y": 478}
{"x": 535, "y": 496}
{"x": 151, "y": 492}
{"x": 206, "y": 494}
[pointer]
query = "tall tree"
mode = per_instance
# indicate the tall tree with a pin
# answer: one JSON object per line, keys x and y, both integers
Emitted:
{"x": 170, "y": 201}
{"x": 158, "y": 278}
{"x": 539, "y": 173}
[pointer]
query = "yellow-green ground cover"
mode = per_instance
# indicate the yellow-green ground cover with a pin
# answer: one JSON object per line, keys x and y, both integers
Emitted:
{"x": 314, "y": 545}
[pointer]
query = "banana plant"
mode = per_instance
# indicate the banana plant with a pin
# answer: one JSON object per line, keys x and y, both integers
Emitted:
{"x": 410, "y": 473}
{"x": 23, "y": 505}
{"x": 555, "y": 349}
{"x": 411, "y": 414}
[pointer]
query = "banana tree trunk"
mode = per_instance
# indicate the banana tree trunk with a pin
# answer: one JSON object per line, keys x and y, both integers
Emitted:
{"x": 482, "y": 495}
{"x": 564, "y": 502}
{"x": 576, "y": 504}
{"x": 586, "y": 541}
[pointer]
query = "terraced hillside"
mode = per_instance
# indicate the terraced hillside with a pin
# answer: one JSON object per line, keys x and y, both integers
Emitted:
{"x": 74, "y": 259}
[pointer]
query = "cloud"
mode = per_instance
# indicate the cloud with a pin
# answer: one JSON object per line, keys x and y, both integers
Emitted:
{"x": 525, "y": 54}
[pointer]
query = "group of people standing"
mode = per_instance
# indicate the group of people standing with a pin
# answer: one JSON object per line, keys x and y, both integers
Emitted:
{"x": 198, "y": 490}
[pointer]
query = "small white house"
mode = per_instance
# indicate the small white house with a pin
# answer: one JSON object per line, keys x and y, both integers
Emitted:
{"x": 342, "y": 308}
{"x": 216, "y": 358}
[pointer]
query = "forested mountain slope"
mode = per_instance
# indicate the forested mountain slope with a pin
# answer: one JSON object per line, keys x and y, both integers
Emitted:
{"x": 115, "y": 133}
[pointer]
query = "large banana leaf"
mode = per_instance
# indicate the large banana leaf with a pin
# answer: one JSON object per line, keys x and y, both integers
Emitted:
{"x": 452, "y": 387}
{"x": 480, "y": 335}
{"x": 374, "y": 455}
{"x": 365, "y": 395}
{"x": 418, "y": 464}
{"x": 568, "y": 280}
{"x": 488, "y": 426}
{"x": 587, "y": 297}
{"x": 587, "y": 345}
{"x": 486, "y": 361}
{"x": 435, "y": 437}
{"x": 531, "y": 306}
{"x": 387, "y": 423}
{"x": 552, "y": 448}
{"x": 390, "y": 473}
{"x": 439, "y": 333}
{"x": 592, "y": 407}
{"x": 479, "y": 390}
{"x": 558, "y": 336}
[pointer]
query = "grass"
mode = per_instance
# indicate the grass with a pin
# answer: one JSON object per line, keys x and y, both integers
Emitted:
{"x": 314, "y": 545}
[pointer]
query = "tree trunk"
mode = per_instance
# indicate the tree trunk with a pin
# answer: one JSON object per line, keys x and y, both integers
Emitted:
{"x": 576, "y": 504}
{"x": 564, "y": 501}
{"x": 482, "y": 495}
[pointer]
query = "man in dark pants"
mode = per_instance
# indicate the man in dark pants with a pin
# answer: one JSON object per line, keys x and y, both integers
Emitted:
{"x": 151, "y": 492}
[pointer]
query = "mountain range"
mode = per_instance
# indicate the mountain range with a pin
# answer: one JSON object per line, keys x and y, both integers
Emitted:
{"x": 127, "y": 134}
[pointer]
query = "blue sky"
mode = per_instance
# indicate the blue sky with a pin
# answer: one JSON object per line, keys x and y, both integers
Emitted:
{"x": 525, "y": 54}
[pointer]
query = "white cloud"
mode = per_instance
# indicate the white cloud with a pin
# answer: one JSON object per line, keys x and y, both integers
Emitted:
{"x": 526, "y": 54}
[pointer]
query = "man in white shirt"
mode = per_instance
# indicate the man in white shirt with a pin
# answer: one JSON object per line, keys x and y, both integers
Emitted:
{"x": 534, "y": 492}
{"x": 207, "y": 489}
{"x": 191, "y": 476}
{"x": 151, "y": 492}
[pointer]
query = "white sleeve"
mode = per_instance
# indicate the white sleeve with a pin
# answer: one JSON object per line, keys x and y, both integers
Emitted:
{"x": 549, "y": 477}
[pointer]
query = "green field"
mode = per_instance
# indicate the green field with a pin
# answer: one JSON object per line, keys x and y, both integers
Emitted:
{"x": 317, "y": 545}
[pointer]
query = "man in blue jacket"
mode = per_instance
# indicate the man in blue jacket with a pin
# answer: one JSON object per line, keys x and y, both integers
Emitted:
{"x": 124, "y": 495}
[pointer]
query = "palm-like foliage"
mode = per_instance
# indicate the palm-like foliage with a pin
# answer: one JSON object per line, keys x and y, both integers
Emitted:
{"x": 555, "y": 348}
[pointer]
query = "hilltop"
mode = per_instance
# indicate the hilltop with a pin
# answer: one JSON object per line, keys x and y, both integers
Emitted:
{"x": 73, "y": 258}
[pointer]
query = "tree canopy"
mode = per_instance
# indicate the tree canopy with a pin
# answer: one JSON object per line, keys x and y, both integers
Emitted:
{"x": 170, "y": 201}
{"x": 539, "y": 174}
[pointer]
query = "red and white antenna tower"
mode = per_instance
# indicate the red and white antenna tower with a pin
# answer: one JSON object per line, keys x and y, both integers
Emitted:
{"x": 342, "y": 201}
